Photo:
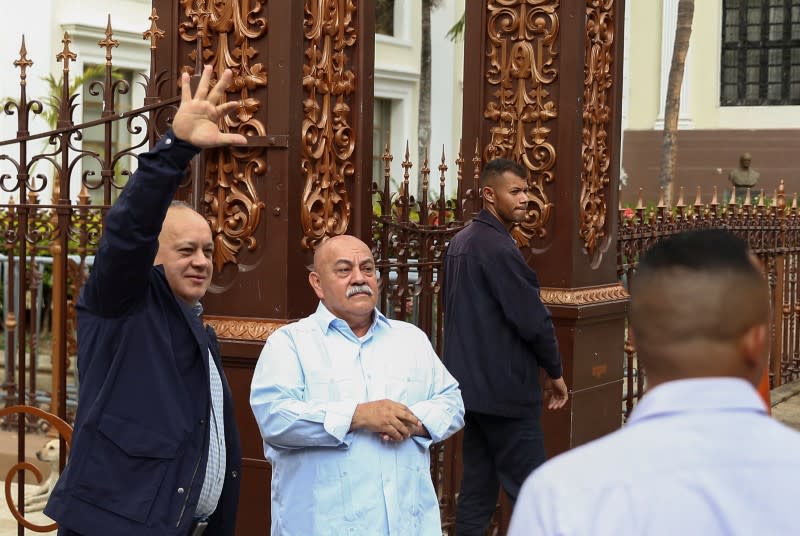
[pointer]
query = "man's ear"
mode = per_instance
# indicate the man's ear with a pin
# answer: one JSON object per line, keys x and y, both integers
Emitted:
{"x": 313, "y": 280}
{"x": 753, "y": 346}
{"x": 487, "y": 192}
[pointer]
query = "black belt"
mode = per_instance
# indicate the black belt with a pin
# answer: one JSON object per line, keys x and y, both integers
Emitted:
{"x": 198, "y": 527}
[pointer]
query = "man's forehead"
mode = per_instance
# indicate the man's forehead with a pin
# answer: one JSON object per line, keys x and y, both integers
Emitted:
{"x": 509, "y": 178}
{"x": 356, "y": 256}
{"x": 342, "y": 247}
{"x": 194, "y": 242}
{"x": 192, "y": 231}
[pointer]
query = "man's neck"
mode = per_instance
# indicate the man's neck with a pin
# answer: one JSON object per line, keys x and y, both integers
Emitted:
{"x": 491, "y": 210}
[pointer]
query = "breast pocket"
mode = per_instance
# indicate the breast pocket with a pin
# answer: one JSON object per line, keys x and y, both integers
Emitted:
{"x": 407, "y": 386}
{"x": 331, "y": 386}
{"x": 125, "y": 467}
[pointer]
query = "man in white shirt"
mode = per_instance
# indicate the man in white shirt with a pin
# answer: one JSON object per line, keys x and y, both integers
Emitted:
{"x": 348, "y": 403}
{"x": 699, "y": 454}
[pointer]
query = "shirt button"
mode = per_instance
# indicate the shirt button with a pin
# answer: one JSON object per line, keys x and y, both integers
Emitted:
{"x": 234, "y": 474}
{"x": 180, "y": 491}
{"x": 168, "y": 141}
{"x": 202, "y": 421}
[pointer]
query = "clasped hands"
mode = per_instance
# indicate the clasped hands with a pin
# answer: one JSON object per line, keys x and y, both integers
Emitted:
{"x": 392, "y": 420}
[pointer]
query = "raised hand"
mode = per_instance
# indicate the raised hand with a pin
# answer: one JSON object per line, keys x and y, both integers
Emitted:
{"x": 197, "y": 116}
{"x": 393, "y": 420}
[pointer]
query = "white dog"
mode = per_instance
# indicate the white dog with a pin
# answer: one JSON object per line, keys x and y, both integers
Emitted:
{"x": 37, "y": 497}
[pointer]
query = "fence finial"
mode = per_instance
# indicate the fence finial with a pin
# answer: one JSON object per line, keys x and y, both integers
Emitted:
{"x": 714, "y": 199}
{"x": 747, "y": 200}
{"x": 109, "y": 42}
{"x": 406, "y": 165}
{"x": 732, "y": 200}
{"x": 154, "y": 33}
{"x": 23, "y": 62}
{"x": 660, "y": 198}
{"x": 423, "y": 201}
{"x": 761, "y": 203}
{"x": 83, "y": 196}
{"x": 780, "y": 198}
{"x": 442, "y": 194}
{"x": 640, "y": 201}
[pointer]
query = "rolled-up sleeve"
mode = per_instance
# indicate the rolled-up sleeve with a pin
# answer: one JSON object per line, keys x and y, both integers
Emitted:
{"x": 278, "y": 400}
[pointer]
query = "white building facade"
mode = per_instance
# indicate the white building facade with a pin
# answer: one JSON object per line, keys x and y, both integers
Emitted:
{"x": 741, "y": 93}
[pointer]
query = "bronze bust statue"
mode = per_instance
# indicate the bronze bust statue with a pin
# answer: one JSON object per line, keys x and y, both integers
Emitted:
{"x": 744, "y": 176}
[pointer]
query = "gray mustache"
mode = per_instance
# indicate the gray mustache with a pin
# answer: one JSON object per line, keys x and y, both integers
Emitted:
{"x": 358, "y": 289}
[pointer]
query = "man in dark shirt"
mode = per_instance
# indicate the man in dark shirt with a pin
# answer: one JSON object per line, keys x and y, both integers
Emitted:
{"x": 497, "y": 336}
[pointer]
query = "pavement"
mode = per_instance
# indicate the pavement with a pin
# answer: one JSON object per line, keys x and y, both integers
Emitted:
{"x": 786, "y": 404}
{"x": 785, "y": 407}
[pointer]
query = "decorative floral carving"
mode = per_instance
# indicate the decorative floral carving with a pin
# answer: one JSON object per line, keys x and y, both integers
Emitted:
{"x": 243, "y": 329}
{"x": 583, "y": 296}
{"x": 328, "y": 138}
{"x": 233, "y": 207}
{"x": 521, "y": 38}
{"x": 597, "y": 101}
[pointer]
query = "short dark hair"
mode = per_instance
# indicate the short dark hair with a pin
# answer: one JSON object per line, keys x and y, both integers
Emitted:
{"x": 694, "y": 294}
{"x": 705, "y": 250}
{"x": 494, "y": 169}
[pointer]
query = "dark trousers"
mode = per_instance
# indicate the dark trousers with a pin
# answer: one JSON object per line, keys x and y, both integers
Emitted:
{"x": 497, "y": 451}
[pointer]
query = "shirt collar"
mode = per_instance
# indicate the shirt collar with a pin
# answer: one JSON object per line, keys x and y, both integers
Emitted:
{"x": 484, "y": 216}
{"x": 697, "y": 395}
{"x": 327, "y": 320}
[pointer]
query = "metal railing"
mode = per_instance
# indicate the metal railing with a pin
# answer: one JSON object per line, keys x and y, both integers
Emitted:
{"x": 771, "y": 227}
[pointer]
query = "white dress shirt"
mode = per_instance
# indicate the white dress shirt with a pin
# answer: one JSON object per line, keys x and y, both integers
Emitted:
{"x": 327, "y": 479}
{"x": 697, "y": 456}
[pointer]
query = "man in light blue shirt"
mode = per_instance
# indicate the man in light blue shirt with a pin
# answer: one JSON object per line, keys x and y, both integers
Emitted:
{"x": 699, "y": 454}
{"x": 348, "y": 403}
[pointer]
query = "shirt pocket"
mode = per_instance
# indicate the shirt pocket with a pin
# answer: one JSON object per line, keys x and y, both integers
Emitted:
{"x": 331, "y": 386}
{"x": 409, "y": 385}
{"x": 333, "y": 493}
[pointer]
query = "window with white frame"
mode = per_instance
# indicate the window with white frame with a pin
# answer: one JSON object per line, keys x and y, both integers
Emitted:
{"x": 384, "y": 17}
{"x": 760, "y": 53}
{"x": 381, "y": 136}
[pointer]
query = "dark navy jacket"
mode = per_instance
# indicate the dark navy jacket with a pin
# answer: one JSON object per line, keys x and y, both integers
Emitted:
{"x": 140, "y": 444}
{"x": 497, "y": 332}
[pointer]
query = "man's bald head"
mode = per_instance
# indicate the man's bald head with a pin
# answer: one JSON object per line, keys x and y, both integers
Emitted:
{"x": 345, "y": 280}
{"x": 700, "y": 307}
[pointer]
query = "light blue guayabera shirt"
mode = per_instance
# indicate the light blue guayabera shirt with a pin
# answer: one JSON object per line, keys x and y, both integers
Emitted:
{"x": 325, "y": 478}
{"x": 697, "y": 457}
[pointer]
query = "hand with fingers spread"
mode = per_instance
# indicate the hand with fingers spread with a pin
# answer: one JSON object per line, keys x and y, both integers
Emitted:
{"x": 196, "y": 120}
{"x": 393, "y": 420}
